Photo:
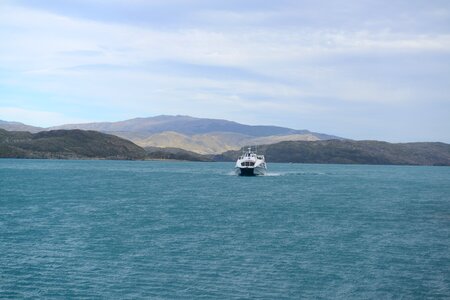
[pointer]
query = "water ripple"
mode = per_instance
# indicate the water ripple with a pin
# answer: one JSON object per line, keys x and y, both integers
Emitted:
{"x": 104, "y": 229}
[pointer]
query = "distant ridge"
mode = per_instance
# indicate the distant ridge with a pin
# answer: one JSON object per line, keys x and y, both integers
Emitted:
{"x": 352, "y": 152}
{"x": 201, "y": 135}
{"x": 188, "y": 126}
{"x": 17, "y": 126}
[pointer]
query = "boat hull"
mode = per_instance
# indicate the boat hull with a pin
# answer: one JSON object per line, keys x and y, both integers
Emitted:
{"x": 250, "y": 171}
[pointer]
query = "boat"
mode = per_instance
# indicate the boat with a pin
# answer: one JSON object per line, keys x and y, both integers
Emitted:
{"x": 250, "y": 164}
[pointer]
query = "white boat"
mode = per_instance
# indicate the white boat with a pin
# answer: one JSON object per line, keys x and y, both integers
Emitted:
{"x": 250, "y": 164}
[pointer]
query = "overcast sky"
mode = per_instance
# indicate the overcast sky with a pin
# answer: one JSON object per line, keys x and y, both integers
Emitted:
{"x": 359, "y": 69}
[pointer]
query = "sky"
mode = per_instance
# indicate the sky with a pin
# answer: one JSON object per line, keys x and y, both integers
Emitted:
{"x": 360, "y": 69}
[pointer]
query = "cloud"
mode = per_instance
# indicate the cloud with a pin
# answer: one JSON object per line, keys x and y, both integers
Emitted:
{"x": 43, "y": 38}
{"x": 51, "y": 45}
{"x": 221, "y": 59}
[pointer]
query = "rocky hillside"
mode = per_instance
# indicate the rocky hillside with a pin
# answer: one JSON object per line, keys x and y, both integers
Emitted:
{"x": 352, "y": 152}
{"x": 67, "y": 144}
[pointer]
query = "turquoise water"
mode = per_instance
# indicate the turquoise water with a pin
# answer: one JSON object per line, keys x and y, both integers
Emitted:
{"x": 134, "y": 229}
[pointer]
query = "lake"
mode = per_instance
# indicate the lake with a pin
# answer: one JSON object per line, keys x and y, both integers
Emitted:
{"x": 156, "y": 229}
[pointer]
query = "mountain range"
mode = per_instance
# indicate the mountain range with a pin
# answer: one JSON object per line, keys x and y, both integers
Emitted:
{"x": 82, "y": 144}
{"x": 198, "y": 139}
{"x": 200, "y": 135}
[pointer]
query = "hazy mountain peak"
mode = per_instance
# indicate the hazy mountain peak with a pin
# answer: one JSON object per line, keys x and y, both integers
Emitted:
{"x": 17, "y": 126}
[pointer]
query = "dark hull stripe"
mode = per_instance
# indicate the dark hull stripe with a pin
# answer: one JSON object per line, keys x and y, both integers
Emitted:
{"x": 247, "y": 172}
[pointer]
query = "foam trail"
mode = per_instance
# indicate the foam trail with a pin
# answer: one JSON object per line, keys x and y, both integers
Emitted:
{"x": 274, "y": 174}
